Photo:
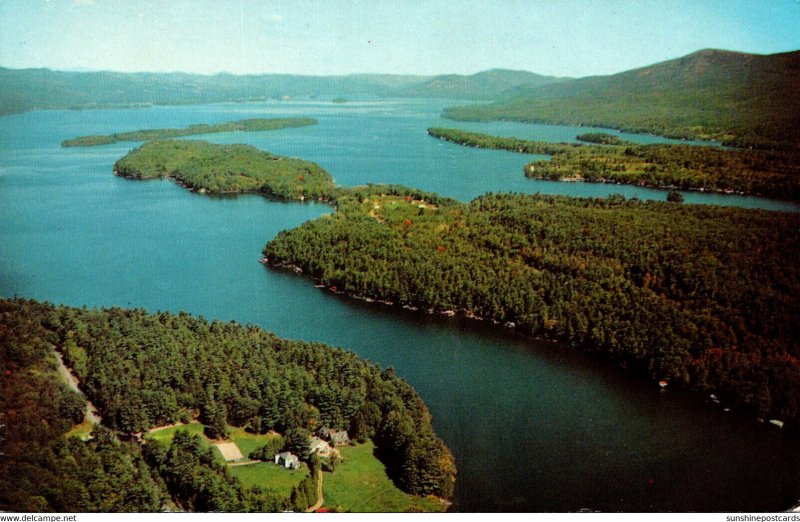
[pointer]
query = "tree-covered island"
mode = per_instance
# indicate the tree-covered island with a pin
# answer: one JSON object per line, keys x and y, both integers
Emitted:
{"x": 774, "y": 174}
{"x": 249, "y": 125}
{"x": 703, "y": 297}
{"x": 144, "y": 370}
{"x": 208, "y": 167}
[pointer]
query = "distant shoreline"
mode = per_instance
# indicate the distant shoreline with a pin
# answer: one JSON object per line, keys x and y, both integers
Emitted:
{"x": 249, "y": 125}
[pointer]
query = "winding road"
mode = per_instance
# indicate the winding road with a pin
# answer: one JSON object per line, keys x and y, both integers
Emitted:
{"x": 91, "y": 411}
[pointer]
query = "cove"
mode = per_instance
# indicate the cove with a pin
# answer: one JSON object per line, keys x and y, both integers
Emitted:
{"x": 534, "y": 426}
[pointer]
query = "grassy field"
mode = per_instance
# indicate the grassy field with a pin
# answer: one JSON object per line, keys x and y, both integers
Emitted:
{"x": 246, "y": 442}
{"x": 165, "y": 436}
{"x": 269, "y": 475}
{"x": 360, "y": 484}
{"x": 82, "y": 430}
{"x": 264, "y": 474}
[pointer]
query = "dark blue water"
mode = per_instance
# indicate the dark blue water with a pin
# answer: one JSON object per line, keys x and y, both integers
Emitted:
{"x": 534, "y": 426}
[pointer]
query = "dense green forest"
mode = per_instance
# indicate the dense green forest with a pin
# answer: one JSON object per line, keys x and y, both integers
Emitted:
{"x": 250, "y": 125}
{"x": 601, "y": 138}
{"x": 739, "y": 99}
{"x": 41, "y": 469}
{"x": 765, "y": 173}
{"x": 143, "y": 370}
{"x": 706, "y": 297}
{"x": 226, "y": 168}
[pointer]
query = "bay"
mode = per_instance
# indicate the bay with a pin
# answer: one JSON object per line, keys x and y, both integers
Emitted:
{"x": 534, "y": 426}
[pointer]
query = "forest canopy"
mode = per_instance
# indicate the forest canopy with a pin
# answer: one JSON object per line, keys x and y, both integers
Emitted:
{"x": 209, "y": 167}
{"x": 143, "y": 370}
{"x": 706, "y": 297}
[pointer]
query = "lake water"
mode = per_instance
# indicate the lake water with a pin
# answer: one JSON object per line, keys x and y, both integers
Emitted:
{"x": 534, "y": 426}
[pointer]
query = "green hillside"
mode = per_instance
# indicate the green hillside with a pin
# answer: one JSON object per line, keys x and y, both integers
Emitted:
{"x": 739, "y": 99}
{"x": 143, "y": 370}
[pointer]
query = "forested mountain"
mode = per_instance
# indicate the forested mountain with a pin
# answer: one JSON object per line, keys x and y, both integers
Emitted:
{"x": 143, "y": 370}
{"x": 706, "y": 297}
{"x": 487, "y": 85}
{"x": 739, "y": 99}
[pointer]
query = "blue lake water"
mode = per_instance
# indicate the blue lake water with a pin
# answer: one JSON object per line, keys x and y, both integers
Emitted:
{"x": 534, "y": 426}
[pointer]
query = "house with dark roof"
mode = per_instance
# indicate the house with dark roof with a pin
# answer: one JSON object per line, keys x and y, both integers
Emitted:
{"x": 337, "y": 438}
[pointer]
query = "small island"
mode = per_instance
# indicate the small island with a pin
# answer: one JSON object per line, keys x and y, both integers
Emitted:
{"x": 697, "y": 296}
{"x": 249, "y": 125}
{"x": 774, "y": 174}
{"x": 601, "y": 138}
{"x": 216, "y": 169}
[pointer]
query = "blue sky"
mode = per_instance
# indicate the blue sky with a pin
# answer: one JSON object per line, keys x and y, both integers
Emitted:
{"x": 555, "y": 37}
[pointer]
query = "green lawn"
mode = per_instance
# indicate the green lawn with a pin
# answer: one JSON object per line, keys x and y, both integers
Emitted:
{"x": 247, "y": 442}
{"x": 165, "y": 436}
{"x": 269, "y": 475}
{"x": 360, "y": 484}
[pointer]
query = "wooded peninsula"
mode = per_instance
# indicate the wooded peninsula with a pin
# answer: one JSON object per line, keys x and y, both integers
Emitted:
{"x": 703, "y": 297}
{"x": 765, "y": 173}
{"x": 144, "y": 370}
{"x": 249, "y": 125}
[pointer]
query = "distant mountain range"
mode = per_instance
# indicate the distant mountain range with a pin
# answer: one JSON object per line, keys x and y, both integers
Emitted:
{"x": 739, "y": 99}
{"x": 27, "y": 89}
{"x": 487, "y": 85}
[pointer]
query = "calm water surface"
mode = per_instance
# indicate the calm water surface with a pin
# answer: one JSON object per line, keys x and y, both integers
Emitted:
{"x": 534, "y": 426}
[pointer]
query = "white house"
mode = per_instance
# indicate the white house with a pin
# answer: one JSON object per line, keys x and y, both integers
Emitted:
{"x": 287, "y": 460}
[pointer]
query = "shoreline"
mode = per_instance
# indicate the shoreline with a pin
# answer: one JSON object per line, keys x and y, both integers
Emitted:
{"x": 603, "y": 181}
{"x": 707, "y": 397}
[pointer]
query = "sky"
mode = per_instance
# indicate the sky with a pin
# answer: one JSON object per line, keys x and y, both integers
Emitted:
{"x": 555, "y": 37}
